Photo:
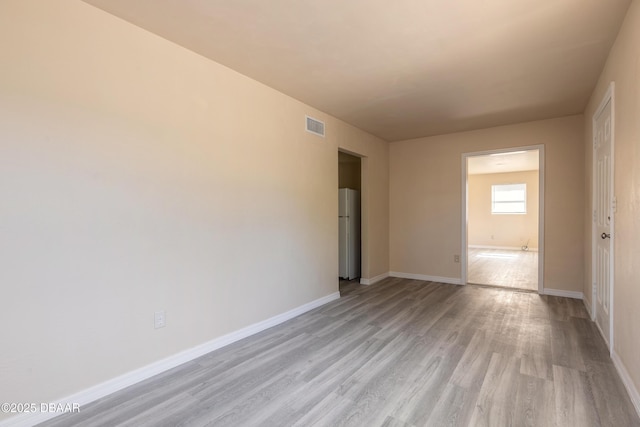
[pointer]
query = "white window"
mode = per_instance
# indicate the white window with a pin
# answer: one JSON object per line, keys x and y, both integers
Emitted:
{"x": 509, "y": 199}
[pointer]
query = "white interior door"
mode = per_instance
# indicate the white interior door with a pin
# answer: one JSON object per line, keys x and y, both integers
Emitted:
{"x": 602, "y": 214}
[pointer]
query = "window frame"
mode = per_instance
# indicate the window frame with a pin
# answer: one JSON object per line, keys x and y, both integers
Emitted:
{"x": 494, "y": 203}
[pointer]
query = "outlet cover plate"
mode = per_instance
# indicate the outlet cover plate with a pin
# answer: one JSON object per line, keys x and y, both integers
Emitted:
{"x": 159, "y": 319}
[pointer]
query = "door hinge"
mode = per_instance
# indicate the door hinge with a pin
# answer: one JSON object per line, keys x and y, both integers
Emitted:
{"x": 594, "y": 215}
{"x": 614, "y": 204}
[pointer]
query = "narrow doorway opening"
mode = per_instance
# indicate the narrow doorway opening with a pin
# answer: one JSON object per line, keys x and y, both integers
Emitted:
{"x": 349, "y": 221}
{"x": 503, "y": 217}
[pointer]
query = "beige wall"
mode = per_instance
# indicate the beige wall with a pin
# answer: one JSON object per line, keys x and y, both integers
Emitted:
{"x": 425, "y": 201}
{"x": 486, "y": 229}
{"x": 622, "y": 67}
{"x": 122, "y": 194}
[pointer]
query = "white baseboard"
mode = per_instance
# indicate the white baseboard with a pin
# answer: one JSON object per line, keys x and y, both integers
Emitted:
{"x": 98, "y": 391}
{"x": 504, "y": 248}
{"x": 627, "y": 381}
{"x": 450, "y": 280}
{"x": 375, "y": 279}
{"x": 561, "y": 293}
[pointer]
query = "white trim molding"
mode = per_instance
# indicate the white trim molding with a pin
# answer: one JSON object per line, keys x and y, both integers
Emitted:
{"x": 426, "y": 278}
{"x": 375, "y": 279}
{"x": 563, "y": 293}
{"x": 98, "y": 391}
{"x": 627, "y": 381}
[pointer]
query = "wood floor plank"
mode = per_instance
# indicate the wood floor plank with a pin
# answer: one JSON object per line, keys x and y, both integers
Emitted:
{"x": 378, "y": 365}
{"x": 472, "y": 368}
{"x": 565, "y": 346}
{"x": 535, "y": 403}
{"x": 418, "y": 397}
{"x": 502, "y": 267}
{"x": 536, "y": 355}
{"x": 496, "y": 404}
{"x": 454, "y": 407}
{"x": 295, "y": 405}
{"x": 163, "y": 414}
{"x": 591, "y": 344}
{"x": 612, "y": 402}
{"x": 574, "y": 402}
{"x": 393, "y": 422}
{"x": 398, "y": 353}
{"x": 325, "y": 412}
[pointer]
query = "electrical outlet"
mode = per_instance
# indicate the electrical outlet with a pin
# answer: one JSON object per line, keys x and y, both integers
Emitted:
{"x": 456, "y": 258}
{"x": 159, "y": 319}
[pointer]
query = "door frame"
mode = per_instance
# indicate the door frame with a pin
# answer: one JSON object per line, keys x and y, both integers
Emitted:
{"x": 608, "y": 96}
{"x": 465, "y": 208}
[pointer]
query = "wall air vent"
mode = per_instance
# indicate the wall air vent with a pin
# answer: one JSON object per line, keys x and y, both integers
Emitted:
{"x": 315, "y": 126}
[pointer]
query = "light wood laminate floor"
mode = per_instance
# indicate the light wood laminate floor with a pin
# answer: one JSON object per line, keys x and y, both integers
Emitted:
{"x": 398, "y": 353}
{"x": 348, "y": 286}
{"x": 505, "y": 268}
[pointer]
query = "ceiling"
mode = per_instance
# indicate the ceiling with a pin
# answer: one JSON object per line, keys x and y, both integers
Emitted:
{"x": 516, "y": 161}
{"x": 407, "y": 68}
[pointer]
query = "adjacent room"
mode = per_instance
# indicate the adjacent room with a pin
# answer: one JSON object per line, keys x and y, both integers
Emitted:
{"x": 503, "y": 203}
{"x": 250, "y": 213}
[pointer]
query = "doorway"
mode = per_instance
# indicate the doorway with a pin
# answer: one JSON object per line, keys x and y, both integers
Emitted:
{"x": 503, "y": 218}
{"x": 349, "y": 221}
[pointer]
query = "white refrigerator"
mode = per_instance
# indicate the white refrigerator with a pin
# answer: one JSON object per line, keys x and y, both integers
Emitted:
{"x": 349, "y": 233}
